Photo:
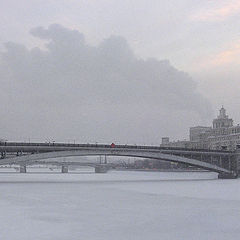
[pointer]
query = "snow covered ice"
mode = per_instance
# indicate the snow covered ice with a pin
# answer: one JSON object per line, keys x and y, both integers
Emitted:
{"x": 119, "y": 206}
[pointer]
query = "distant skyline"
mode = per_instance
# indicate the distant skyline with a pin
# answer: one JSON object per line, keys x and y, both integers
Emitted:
{"x": 198, "y": 38}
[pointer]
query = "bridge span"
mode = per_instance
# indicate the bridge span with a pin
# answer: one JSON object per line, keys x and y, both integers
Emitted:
{"x": 223, "y": 162}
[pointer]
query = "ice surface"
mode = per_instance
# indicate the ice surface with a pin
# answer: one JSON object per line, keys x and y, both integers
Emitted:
{"x": 118, "y": 206}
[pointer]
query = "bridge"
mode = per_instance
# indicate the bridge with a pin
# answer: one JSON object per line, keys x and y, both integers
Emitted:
{"x": 225, "y": 163}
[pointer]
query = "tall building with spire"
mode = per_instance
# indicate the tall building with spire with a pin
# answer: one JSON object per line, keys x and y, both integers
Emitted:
{"x": 222, "y": 120}
{"x": 222, "y": 135}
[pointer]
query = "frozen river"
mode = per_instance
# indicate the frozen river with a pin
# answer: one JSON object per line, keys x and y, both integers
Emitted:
{"x": 119, "y": 206}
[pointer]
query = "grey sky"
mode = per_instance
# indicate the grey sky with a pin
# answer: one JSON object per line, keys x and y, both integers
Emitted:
{"x": 197, "y": 37}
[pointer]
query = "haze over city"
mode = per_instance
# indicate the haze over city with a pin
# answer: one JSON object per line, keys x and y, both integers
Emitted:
{"x": 123, "y": 71}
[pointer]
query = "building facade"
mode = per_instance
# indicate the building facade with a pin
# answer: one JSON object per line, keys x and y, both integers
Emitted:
{"x": 222, "y": 135}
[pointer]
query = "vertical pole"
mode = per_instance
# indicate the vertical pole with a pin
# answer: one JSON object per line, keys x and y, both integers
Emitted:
{"x": 211, "y": 159}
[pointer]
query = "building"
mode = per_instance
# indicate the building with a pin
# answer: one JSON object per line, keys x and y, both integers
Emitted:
{"x": 222, "y": 135}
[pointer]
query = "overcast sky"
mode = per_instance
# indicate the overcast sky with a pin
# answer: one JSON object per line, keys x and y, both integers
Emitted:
{"x": 123, "y": 71}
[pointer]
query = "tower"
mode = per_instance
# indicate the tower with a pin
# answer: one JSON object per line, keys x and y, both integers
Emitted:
{"x": 222, "y": 120}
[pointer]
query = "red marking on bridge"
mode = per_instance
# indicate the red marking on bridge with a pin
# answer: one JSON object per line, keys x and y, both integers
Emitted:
{"x": 113, "y": 145}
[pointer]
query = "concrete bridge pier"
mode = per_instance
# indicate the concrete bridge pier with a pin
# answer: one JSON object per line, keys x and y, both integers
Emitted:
{"x": 101, "y": 169}
{"x": 232, "y": 175}
{"x": 64, "y": 169}
{"x": 233, "y": 166}
{"x": 23, "y": 168}
{"x": 237, "y": 161}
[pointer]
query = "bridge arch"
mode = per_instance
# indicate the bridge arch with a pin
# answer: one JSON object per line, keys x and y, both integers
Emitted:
{"x": 115, "y": 152}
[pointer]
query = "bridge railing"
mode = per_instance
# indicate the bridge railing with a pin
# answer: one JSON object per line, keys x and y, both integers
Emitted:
{"x": 19, "y": 144}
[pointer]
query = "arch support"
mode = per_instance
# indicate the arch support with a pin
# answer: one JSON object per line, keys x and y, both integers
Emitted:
{"x": 28, "y": 159}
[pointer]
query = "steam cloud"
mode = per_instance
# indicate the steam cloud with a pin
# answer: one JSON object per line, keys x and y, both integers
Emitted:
{"x": 74, "y": 90}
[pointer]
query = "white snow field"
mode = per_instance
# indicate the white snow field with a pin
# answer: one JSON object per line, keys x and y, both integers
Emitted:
{"x": 118, "y": 206}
